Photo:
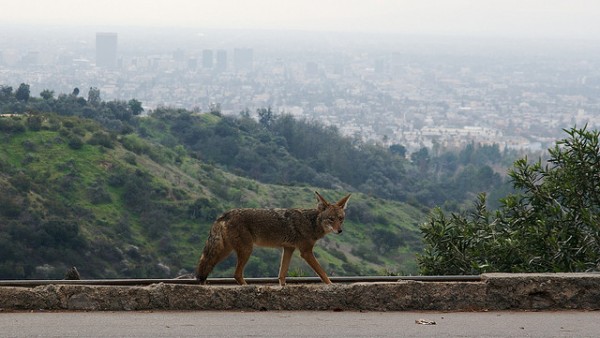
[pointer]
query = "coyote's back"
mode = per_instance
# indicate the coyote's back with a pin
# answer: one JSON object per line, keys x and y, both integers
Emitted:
{"x": 239, "y": 229}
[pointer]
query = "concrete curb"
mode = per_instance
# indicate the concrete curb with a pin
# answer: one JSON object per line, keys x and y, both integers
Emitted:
{"x": 494, "y": 292}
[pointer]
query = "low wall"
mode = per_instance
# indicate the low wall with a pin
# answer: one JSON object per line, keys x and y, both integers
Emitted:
{"x": 493, "y": 292}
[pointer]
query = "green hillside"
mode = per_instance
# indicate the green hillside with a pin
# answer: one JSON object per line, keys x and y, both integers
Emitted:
{"x": 119, "y": 204}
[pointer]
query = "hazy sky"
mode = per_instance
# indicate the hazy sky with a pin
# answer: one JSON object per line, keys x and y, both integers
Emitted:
{"x": 526, "y": 18}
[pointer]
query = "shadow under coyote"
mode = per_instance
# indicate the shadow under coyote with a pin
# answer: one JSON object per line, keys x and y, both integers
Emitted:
{"x": 240, "y": 229}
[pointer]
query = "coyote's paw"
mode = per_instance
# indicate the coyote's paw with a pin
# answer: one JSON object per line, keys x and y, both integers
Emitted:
{"x": 330, "y": 286}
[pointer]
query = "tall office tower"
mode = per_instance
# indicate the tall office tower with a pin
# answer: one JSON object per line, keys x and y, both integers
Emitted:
{"x": 243, "y": 58}
{"x": 106, "y": 50}
{"x": 207, "y": 58}
{"x": 221, "y": 60}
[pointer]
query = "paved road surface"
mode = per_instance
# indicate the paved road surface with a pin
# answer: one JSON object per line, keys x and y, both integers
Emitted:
{"x": 299, "y": 324}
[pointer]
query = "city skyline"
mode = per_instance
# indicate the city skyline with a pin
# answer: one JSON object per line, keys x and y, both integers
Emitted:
{"x": 393, "y": 89}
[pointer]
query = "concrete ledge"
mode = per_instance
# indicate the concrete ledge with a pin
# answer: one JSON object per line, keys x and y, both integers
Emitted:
{"x": 493, "y": 292}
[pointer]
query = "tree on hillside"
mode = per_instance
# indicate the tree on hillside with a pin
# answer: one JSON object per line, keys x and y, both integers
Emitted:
{"x": 94, "y": 96}
{"x": 552, "y": 224}
{"x": 421, "y": 159}
{"x": 398, "y": 149}
{"x": 265, "y": 116}
{"x": 23, "y": 92}
{"x": 47, "y": 94}
{"x": 135, "y": 106}
{"x": 5, "y": 92}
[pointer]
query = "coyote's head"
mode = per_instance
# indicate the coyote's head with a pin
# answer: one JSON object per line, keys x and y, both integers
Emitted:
{"x": 331, "y": 216}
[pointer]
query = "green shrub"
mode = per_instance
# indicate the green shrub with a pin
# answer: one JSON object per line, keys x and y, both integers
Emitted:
{"x": 11, "y": 125}
{"x": 552, "y": 224}
{"x": 102, "y": 138}
{"x": 75, "y": 142}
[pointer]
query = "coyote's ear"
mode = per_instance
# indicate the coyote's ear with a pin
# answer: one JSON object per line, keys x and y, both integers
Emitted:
{"x": 323, "y": 204}
{"x": 343, "y": 202}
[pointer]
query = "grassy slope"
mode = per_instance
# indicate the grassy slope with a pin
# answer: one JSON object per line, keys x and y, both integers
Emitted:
{"x": 177, "y": 242}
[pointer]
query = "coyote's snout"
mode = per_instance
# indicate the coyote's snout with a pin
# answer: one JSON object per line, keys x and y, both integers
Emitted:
{"x": 239, "y": 229}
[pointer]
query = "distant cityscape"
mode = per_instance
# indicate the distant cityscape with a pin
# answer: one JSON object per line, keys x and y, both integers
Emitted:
{"x": 440, "y": 93}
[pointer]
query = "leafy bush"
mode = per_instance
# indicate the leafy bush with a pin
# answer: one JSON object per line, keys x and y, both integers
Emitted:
{"x": 9, "y": 125}
{"x": 135, "y": 144}
{"x": 10, "y": 206}
{"x": 34, "y": 122}
{"x": 75, "y": 142}
{"x": 102, "y": 138}
{"x": 551, "y": 224}
{"x": 98, "y": 194}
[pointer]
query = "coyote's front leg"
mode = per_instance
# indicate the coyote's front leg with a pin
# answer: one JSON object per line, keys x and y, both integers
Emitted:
{"x": 286, "y": 256}
{"x": 309, "y": 257}
{"x": 243, "y": 255}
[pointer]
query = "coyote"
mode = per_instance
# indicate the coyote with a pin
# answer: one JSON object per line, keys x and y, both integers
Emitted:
{"x": 239, "y": 229}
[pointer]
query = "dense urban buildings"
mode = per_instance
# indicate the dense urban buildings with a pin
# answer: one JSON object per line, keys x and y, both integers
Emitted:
{"x": 415, "y": 91}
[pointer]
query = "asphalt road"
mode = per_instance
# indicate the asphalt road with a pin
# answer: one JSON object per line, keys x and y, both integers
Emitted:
{"x": 299, "y": 324}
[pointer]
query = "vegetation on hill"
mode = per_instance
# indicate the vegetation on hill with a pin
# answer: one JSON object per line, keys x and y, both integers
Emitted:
{"x": 92, "y": 183}
{"x": 280, "y": 149}
{"x": 116, "y": 205}
{"x": 284, "y": 150}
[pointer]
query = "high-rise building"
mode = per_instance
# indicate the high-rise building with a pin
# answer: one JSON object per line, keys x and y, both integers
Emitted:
{"x": 243, "y": 58}
{"x": 221, "y": 60}
{"x": 207, "y": 58}
{"x": 106, "y": 50}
